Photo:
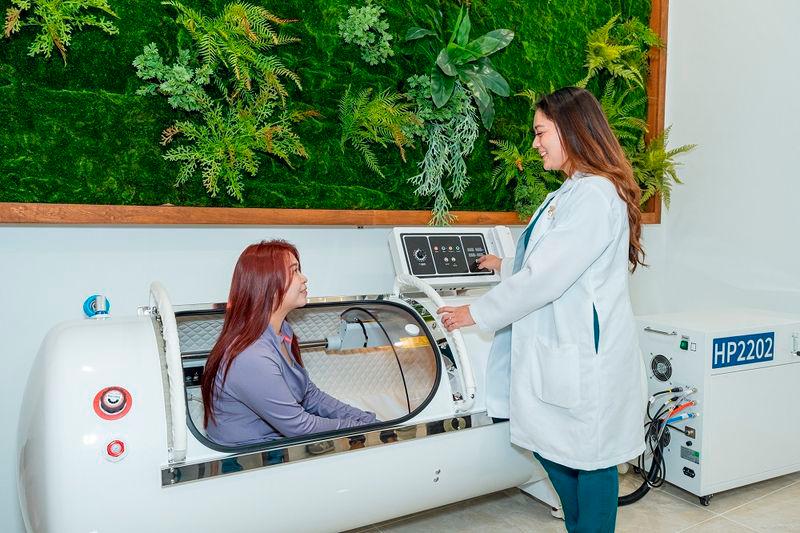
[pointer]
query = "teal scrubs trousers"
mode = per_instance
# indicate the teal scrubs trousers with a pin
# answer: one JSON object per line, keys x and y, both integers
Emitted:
{"x": 588, "y": 497}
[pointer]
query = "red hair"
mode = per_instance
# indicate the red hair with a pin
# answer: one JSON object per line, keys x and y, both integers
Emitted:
{"x": 260, "y": 281}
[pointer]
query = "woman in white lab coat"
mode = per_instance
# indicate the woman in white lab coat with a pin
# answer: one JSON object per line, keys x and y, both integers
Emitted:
{"x": 565, "y": 334}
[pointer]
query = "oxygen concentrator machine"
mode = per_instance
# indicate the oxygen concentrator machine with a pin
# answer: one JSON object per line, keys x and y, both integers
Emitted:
{"x": 734, "y": 375}
{"x": 111, "y": 434}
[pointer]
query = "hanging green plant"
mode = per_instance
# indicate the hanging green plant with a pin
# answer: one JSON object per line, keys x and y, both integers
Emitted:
{"x": 180, "y": 82}
{"x": 382, "y": 119}
{"x": 223, "y": 137}
{"x": 467, "y": 61}
{"x": 450, "y": 132}
{"x": 238, "y": 41}
{"x": 365, "y": 28}
{"x": 57, "y": 21}
{"x": 225, "y": 143}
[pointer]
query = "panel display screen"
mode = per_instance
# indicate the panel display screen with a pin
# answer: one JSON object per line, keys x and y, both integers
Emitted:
{"x": 438, "y": 255}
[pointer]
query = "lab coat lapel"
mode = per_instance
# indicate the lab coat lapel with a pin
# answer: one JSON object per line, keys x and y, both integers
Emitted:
{"x": 546, "y": 219}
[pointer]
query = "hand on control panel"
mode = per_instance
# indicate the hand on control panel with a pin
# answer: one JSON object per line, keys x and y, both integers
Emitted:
{"x": 489, "y": 262}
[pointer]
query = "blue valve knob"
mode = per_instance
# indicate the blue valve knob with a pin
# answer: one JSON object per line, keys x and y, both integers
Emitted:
{"x": 96, "y": 306}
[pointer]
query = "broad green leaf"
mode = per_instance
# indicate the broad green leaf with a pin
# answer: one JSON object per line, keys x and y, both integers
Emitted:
{"x": 415, "y": 32}
{"x": 441, "y": 86}
{"x": 457, "y": 26}
{"x": 491, "y": 42}
{"x": 462, "y": 35}
{"x": 444, "y": 63}
{"x": 492, "y": 79}
{"x": 458, "y": 55}
{"x": 436, "y": 18}
{"x": 481, "y": 95}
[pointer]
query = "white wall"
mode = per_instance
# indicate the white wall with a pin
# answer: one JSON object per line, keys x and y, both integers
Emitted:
{"x": 732, "y": 236}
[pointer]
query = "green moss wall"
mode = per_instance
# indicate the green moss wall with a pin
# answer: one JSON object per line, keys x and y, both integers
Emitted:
{"x": 79, "y": 133}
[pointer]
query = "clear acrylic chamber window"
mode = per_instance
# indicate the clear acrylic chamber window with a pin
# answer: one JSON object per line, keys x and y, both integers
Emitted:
{"x": 372, "y": 354}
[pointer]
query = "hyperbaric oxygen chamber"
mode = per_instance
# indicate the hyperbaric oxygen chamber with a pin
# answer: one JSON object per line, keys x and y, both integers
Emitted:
{"x": 111, "y": 434}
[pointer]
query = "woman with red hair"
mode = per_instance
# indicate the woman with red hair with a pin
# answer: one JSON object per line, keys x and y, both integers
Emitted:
{"x": 254, "y": 386}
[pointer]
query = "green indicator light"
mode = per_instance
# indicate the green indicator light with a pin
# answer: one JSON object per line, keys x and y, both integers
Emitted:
{"x": 684, "y": 345}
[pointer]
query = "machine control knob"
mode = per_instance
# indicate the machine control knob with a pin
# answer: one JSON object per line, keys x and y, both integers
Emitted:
{"x": 420, "y": 255}
{"x": 115, "y": 450}
{"x": 113, "y": 401}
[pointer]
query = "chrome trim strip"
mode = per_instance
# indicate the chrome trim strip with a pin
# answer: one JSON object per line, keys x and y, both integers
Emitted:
{"x": 316, "y": 449}
{"x": 220, "y": 306}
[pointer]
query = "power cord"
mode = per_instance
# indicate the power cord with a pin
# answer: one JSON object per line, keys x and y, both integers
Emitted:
{"x": 655, "y": 428}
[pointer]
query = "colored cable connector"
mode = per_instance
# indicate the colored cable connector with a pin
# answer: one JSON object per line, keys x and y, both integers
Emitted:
{"x": 684, "y": 416}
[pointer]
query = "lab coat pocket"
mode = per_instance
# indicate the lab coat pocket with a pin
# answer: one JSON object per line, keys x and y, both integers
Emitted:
{"x": 559, "y": 372}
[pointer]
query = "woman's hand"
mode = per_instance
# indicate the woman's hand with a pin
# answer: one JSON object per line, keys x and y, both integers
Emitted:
{"x": 489, "y": 262}
{"x": 455, "y": 317}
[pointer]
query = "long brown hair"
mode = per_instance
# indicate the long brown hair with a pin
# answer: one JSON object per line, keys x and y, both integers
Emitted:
{"x": 260, "y": 281}
{"x": 591, "y": 147}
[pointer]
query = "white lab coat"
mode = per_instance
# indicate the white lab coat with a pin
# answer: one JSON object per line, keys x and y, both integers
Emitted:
{"x": 577, "y": 406}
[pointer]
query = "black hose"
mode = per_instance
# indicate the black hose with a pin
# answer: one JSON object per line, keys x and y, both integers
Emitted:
{"x": 391, "y": 345}
{"x": 655, "y": 476}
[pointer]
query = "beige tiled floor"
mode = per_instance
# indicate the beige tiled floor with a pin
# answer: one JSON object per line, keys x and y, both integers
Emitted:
{"x": 769, "y": 506}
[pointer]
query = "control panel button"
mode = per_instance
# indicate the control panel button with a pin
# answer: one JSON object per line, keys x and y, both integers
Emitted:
{"x": 115, "y": 450}
{"x": 475, "y": 247}
{"x": 447, "y": 260}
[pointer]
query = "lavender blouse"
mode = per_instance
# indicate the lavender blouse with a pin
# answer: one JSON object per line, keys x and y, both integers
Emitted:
{"x": 265, "y": 398}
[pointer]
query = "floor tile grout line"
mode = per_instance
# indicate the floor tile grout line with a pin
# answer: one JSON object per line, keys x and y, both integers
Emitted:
{"x": 692, "y": 504}
{"x": 740, "y": 524}
{"x": 699, "y": 523}
{"x": 760, "y": 497}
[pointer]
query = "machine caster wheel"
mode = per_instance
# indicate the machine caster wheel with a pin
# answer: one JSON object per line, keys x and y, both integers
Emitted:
{"x": 705, "y": 501}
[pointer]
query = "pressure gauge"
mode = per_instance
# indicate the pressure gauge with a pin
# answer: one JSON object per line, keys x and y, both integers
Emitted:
{"x": 112, "y": 403}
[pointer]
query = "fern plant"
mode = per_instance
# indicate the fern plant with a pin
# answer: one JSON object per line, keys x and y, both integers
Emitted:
{"x": 57, "y": 21}
{"x": 655, "y": 168}
{"x": 383, "y": 119}
{"x": 226, "y": 143}
{"x": 524, "y": 168}
{"x": 181, "y": 83}
{"x": 621, "y": 111}
{"x": 450, "y": 132}
{"x": 617, "y": 58}
{"x": 238, "y": 41}
{"x": 365, "y": 27}
{"x": 621, "y": 50}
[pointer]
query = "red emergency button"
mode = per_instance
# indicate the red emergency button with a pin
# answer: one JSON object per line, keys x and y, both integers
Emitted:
{"x": 115, "y": 450}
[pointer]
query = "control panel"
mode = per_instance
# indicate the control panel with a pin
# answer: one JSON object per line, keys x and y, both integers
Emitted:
{"x": 444, "y": 255}
{"x": 447, "y": 257}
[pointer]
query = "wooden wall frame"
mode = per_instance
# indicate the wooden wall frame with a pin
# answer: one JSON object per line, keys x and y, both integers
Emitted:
{"x": 101, "y": 215}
